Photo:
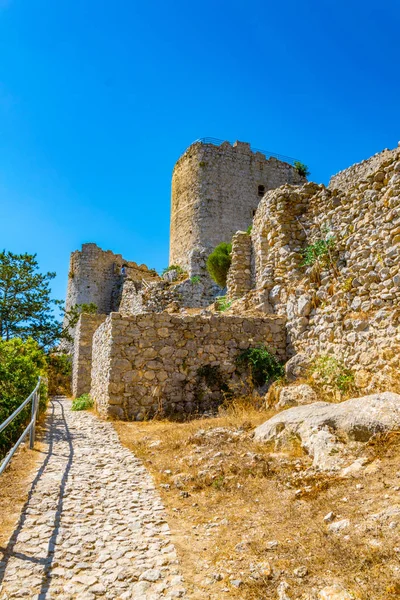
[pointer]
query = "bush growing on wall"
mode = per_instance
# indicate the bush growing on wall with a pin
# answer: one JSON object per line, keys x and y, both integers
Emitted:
{"x": 21, "y": 363}
{"x": 332, "y": 375}
{"x": 218, "y": 263}
{"x": 320, "y": 251}
{"x": 263, "y": 365}
{"x": 302, "y": 169}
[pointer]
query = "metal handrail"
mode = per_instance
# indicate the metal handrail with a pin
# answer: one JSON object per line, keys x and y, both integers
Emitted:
{"x": 34, "y": 396}
{"x": 217, "y": 142}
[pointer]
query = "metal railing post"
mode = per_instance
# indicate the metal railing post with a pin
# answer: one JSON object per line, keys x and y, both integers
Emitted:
{"x": 33, "y": 423}
{"x": 31, "y": 427}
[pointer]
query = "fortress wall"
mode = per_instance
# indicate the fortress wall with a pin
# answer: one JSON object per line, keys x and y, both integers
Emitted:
{"x": 82, "y": 355}
{"x": 348, "y": 178}
{"x": 215, "y": 192}
{"x": 348, "y": 304}
{"x": 95, "y": 276}
{"x": 150, "y": 363}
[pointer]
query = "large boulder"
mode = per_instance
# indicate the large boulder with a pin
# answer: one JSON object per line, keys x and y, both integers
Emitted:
{"x": 329, "y": 432}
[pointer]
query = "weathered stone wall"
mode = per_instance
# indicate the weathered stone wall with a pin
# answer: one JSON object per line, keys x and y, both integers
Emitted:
{"x": 347, "y": 178}
{"x": 132, "y": 297}
{"x": 82, "y": 355}
{"x": 162, "y": 363}
{"x": 95, "y": 276}
{"x": 239, "y": 280}
{"x": 160, "y": 295}
{"x": 215, "y": 192}
{"x": 348, "y": 303}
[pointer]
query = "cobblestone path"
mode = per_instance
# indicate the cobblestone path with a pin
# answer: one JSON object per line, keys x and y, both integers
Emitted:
{"x": 93, "y": 525}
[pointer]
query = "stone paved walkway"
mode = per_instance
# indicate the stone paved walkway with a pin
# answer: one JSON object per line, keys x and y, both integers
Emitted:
{"x": 93, "y": 526}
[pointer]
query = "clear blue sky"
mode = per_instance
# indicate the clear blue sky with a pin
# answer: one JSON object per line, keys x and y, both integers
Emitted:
{"x": 99, "y": 98}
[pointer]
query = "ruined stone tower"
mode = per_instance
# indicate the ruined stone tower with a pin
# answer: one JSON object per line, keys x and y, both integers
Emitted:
{"x": 95, "y": 276}
{"x": 216, "y": 188}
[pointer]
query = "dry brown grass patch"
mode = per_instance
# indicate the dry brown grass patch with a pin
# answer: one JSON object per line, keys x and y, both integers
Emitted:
{"x": 228, "y": 498}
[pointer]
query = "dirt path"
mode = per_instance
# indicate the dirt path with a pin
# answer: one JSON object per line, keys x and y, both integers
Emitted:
{"x": 93, "y": 525}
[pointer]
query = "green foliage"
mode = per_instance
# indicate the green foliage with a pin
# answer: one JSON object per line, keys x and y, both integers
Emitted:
{"x": 26, "y": 308}
{"x": 222, "y": 303}
{"x": 302, "y": 169}
{"x": 249, "y": 229}
{"x": 21, "y": 363}
{"x": 71, "y": 317}
{"x": 331, "y": 374}
{"x": 84, "y": 402}
{"x": 195, "y": 279}
{"x": 176, "y": 268}
{"x": 218, "y": 263}
{"x": 320, "y": 251}
{"x": 263, "y": 365}
{"x": 59, "y": 371}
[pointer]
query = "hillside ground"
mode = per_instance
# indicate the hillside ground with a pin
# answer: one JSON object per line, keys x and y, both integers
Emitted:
{"x": 15, "y": 484}
{"x": 245, "y": 518}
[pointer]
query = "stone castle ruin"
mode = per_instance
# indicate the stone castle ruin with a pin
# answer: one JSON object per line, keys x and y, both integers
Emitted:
{"x": 216, "y": 188}
{"x": 157, "y": 345}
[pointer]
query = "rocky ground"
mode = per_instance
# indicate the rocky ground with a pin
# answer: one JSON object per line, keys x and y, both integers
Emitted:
{"x": 253, "y": 522}
{"x": 93, "y": 525}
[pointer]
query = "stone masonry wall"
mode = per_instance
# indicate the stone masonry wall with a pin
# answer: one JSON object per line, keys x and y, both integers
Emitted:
{"x": 239, "y": 280}
{"x": 346, "y": 179}
{"x": 215, "y": 192}
{"x": 95, "y": 276}
{"x": 82, "y": 355}
{"x": 347, "y": 304}
{"x": 168, "y": 364}
{"x": 160, "y": 295}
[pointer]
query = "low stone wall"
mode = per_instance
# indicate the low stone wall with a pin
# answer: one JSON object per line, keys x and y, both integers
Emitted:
{"x": 82, "y": 355}
{"x": 169, "y": 364}
{"x": 138, "y": 298}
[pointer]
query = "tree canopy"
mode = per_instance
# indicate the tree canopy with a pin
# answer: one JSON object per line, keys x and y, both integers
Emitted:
{"x": 26, "y": 306}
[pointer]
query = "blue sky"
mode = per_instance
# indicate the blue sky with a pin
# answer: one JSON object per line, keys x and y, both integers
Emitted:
{"x": 98, "y": 99}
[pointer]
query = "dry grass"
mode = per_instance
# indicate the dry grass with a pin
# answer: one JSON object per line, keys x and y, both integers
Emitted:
{"x": 15, "y": 484}
{"x": 228, "y": 498}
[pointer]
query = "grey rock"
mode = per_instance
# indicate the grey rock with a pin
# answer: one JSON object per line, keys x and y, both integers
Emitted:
{"x": 296, "y": 394}
{"x": 296, "y": 367}
{"x": 318, "y": 424}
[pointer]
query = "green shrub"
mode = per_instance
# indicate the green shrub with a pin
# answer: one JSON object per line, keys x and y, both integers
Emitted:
{"x": 195, "y": 279}
{"x": 84, "y": 402}
{"x": 320, "y": 251}
{"x": 218, "y": 263}
{"x": 59, "y": 371}
{"x": 222, "y": 303}
{"x": 21, "y": 363}
{"x": 302, "y": 169}
{"x": 331, "y": 374}
{"x": 249, "y": 229}
{"x": 263, "y": 365}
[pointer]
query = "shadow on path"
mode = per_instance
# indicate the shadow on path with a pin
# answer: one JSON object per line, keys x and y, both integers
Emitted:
{"x": 57, "y": 431}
